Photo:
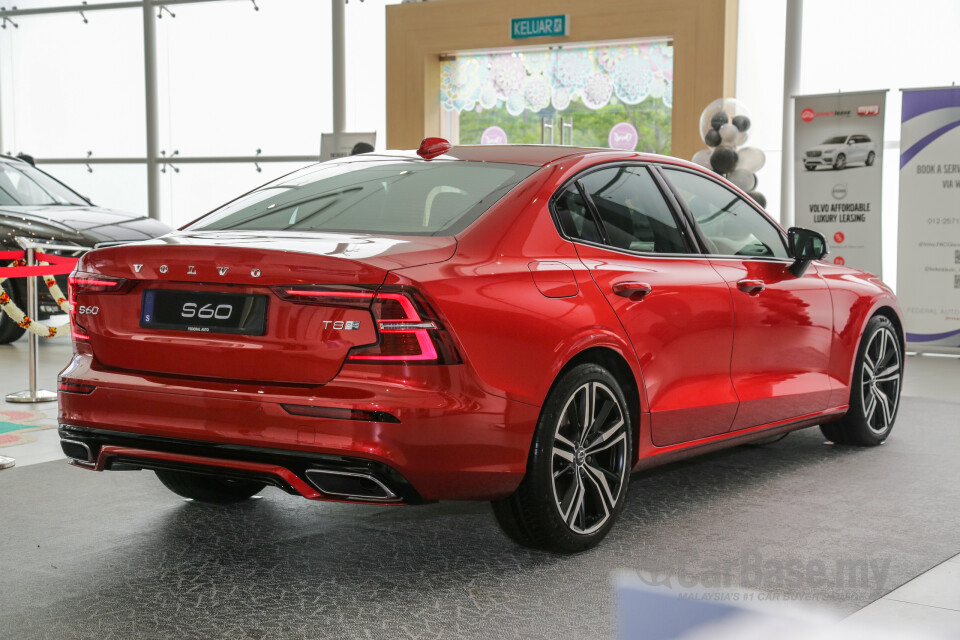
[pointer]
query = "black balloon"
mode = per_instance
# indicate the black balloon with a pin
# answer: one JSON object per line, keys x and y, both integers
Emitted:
{"x": 759, "y": 197}
{"x": 719, "y": 119}
{"x": 723, "y": 159}
{"x": 742, "y": 123}
{"x": 712, "y": 138}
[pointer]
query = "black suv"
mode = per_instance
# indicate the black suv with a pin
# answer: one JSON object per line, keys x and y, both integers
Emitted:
{"x": 34, "y": 204}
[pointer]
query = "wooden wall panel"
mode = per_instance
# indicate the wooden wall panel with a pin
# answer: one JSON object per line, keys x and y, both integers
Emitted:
{"x": 704, "y": 36}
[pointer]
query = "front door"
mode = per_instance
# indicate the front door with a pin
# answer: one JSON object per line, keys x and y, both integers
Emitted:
{"x": 783, "y": 327}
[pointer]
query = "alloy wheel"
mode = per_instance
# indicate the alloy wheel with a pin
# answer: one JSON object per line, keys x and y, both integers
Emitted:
{"x": 589, "y": 459}
{"x": 880, "y": 380}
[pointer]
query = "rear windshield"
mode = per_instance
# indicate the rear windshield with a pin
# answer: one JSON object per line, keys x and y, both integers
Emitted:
{"x": 395, "y": 197}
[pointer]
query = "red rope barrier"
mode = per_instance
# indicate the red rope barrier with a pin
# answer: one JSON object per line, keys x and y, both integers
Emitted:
{"x": 58, "y": 265}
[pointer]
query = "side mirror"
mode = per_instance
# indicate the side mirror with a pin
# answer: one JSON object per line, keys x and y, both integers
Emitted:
{"x": 805, "y": 246}
{"x": 850, "y": 141}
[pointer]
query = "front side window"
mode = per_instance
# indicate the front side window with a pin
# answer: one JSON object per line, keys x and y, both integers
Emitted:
{"x": 730, "y": 225}
{"x": 390, "y": 197}
{"x": 634, "y": 214}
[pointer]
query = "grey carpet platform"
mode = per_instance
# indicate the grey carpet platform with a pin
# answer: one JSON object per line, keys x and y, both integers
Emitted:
{"x": 115, "y": 555}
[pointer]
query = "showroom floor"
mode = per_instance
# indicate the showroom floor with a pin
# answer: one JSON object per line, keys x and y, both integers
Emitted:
{"x": 868, "y": 532}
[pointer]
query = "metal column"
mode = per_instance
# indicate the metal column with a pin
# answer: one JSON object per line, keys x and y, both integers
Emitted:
{"x": 338, "y": 38}
{"x": 32, "y": 394}
{"x": 153, "y": 126}
{"x": 793, "y": 49}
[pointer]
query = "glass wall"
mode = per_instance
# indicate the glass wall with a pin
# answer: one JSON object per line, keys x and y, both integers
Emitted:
{"x": 231, "y": 80}
{"x": 69, "y": 87}
{"x": 854, "y": 45}
{"x": 615, "y": 95}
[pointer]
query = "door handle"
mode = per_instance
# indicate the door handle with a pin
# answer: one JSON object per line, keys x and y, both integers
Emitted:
{"x": 632, "y": 290}
{"x": 753, "y": 287}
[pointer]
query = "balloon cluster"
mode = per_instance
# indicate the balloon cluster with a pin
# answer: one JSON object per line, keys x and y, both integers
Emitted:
{"x": 723, "y": 127}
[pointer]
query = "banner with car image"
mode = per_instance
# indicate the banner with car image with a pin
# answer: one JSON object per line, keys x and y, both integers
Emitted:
{"x": 839, "y": 156}
{"x": 928, "y": 249}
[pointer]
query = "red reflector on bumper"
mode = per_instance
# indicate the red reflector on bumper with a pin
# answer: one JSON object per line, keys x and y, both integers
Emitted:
{"x": 339, "y": 414}
{"x": 73, "y": 387}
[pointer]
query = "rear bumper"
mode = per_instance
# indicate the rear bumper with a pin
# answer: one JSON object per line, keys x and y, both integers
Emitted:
{"x": 452, "y": 440}
{"x": 292, "y": 471}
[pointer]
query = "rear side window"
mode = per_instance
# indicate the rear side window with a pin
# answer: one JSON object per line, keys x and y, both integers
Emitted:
{"x": 392, "y": 197}
{"x": 634, "y": 214}
{"x": 575, "y": 218}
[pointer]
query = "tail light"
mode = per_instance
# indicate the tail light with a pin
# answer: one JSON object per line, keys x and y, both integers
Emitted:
{"x": 352, "y": 297}
{"x": 409, "y": 331}
{"x": 82, "y": 283}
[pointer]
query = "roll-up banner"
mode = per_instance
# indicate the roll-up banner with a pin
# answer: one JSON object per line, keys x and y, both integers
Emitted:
{"x": 838, "y": 187}
{"x": 928, "y": 250}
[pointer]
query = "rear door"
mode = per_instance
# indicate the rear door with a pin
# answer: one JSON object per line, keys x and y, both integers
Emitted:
{"x": 783, "y": 324}
{"x": 671, "y": 302}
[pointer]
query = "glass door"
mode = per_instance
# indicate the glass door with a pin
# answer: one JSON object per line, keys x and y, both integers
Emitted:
{"x": 616, "y": 95}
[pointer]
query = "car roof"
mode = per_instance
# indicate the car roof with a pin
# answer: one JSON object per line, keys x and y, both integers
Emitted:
{"x": 532, "y": 154}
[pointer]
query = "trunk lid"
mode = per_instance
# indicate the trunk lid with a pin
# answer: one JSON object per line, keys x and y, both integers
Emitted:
{"x": 301, "y": 343}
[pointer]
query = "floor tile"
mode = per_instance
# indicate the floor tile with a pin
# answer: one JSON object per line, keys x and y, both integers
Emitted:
{"x": 939, "y": 587}
{"x": 911, "y": 619}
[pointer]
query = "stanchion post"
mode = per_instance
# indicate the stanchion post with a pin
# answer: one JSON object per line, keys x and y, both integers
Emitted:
{"x": 33, "y": 310}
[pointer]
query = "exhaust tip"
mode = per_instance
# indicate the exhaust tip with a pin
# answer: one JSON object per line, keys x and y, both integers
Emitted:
{"x": 77, "y": 451}
{"x": 350, "y": 485}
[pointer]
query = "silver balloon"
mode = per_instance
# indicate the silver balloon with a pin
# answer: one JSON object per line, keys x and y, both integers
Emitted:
{"x": 702, "y": 157}
{"x": 746, "y": 180}
{"x": 751, "y": 159}
{"x": 729, "y": 133}
{"x": 742, "y": 139}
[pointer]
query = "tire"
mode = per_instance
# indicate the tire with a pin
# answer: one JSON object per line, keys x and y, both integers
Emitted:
{"x": 204, "y": 488}
{"x": 10, "y": 331}
{"x": 840, "y": 162}
{"x": 870, "y": 158}
{"x": 874, "y": 390}
{"x": 588, "y": 468}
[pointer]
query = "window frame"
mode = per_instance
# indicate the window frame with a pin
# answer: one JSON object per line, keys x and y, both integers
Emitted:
{"x": 682, "y": 224}
{"x": 701, "y": 238}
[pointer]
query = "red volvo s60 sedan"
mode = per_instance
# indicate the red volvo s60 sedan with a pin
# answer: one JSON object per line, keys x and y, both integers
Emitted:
{"x": 520, "y": 324}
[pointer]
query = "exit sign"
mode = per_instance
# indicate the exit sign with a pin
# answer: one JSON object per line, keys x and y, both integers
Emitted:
{"x": 540, "y": 27}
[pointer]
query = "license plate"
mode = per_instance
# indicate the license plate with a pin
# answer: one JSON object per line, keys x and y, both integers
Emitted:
{"x": 202, "y": 312}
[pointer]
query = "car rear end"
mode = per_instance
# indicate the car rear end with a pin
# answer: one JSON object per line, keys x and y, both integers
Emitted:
{"x": 279, "y": 341}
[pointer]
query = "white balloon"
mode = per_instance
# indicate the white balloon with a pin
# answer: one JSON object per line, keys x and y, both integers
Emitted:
{"x": 707, "y": 114}
{"x": 751, "y": 159}
{"x": 741, "y": 139}
{"x": 729, "y": 133}
{"x": 746, "y": 180}
{"x": 729, "y": 106}
{"x": 702, "y": 157}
